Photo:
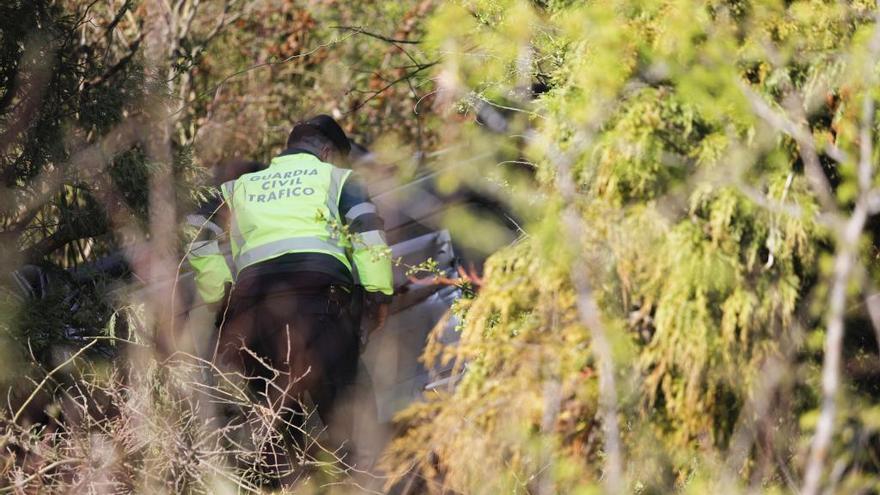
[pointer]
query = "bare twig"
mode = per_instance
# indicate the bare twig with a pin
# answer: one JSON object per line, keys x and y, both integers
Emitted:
{"x": 48, "y": 376}
{"x": 391, "y": 84}
{"x": 120, "y": 64}
{"x": 845, "y": 262}
{"x": 590, "y": 316}
{"x": 361, "y": 30}
{"x": 19, "y": 485}
{"x": 872, "y": 303}
{"x": 233, "y": 75}
{"x": 804, "y": 139}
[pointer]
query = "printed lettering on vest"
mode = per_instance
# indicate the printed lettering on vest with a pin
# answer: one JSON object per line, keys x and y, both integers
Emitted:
{"x": 286, "y": 175}
{"x": 272, "y": 184}
{"x": 279, "y": 185}
{"x": 283, "y": 193}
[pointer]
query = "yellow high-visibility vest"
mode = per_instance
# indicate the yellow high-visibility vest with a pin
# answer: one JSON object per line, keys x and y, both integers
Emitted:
{"x": 293, "y": 207}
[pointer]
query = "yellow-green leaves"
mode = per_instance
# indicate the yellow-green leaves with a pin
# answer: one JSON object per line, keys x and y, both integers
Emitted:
{"x": 695, "y": 220}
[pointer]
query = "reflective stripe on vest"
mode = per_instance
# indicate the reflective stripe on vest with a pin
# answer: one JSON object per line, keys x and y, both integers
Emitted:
{"x": 360, "y": 209}
{"x": 204, "y": 248}
{"x": 337, "y": 177}
{"x": 200, "y": 222}
{"x": 370, "y": 238}
{"x": 235, "y": 232}
{"x": 210, "y": 247}
{"x": 271, "y": 249}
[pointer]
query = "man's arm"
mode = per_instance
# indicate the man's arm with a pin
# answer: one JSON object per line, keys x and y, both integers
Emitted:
{"x": 211, "y": 266}
{"x": 369, "y": 250}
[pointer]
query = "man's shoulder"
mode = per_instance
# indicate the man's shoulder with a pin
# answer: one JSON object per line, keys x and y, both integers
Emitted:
{"x": 296, "y": 158}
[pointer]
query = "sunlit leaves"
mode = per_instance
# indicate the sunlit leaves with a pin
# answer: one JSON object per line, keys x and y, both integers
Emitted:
{"x": 701, "y": 230}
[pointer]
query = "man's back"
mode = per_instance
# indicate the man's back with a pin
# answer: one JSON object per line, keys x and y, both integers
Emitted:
{"x": 301, "y": 215}
{"x": 303, "y": 233}
{"x": 289, "y": 208}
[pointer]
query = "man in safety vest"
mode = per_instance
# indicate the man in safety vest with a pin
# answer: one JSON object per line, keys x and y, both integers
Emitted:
{"x": 304, "y": 238}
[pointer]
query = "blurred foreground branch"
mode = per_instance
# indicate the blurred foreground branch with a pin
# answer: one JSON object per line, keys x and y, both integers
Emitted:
{"x": 847, "y": 233}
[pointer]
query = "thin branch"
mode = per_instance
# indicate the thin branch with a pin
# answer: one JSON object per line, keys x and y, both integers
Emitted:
{"x": 61, "y": 237}
{"x": 111, "y": 26}
{"x": 190, "y": 17}
{"x": 19, "y": 485}
{"x": 226, "y": 79}
{"x": 845, "y": 263}
{"x": 803, "y": 138}
{"x": 872, "y": 303}
{"x": 48, "y": 376}
{"x": 118, "y": 66}
{"x": 590, "y": 316}
{"x": 389, "y": 85}
{"x": 836, "y": 154}
{"x": 360, "y": 30}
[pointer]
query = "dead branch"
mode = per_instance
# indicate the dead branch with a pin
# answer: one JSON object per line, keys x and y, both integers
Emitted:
{"x": 804, "y": 139}
{"x": 48, "y": 376}
{"x": 388, "y": 39}
{"x": 388, "y": 86}
{"x": 846, "y": 260}
{"x": 590, "y": 316}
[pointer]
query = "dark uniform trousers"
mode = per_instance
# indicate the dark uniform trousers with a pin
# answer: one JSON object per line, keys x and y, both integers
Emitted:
{"x": 288, "y": 340}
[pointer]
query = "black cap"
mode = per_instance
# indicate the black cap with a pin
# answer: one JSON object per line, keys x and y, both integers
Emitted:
{"x": 327, "y": 127}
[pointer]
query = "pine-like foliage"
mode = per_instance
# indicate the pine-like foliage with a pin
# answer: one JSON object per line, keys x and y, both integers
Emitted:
{"x": 697, "y": 230}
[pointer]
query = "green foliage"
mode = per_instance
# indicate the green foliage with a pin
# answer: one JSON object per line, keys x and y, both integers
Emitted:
{"x": 642, "y": 172}
{"x": 73, "y": 87}
{"x": 700, "y": 233}
{"x": 508, "y": 340}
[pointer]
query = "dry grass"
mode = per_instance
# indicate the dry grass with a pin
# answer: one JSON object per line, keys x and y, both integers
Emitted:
{"x": 178, "y": 426}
